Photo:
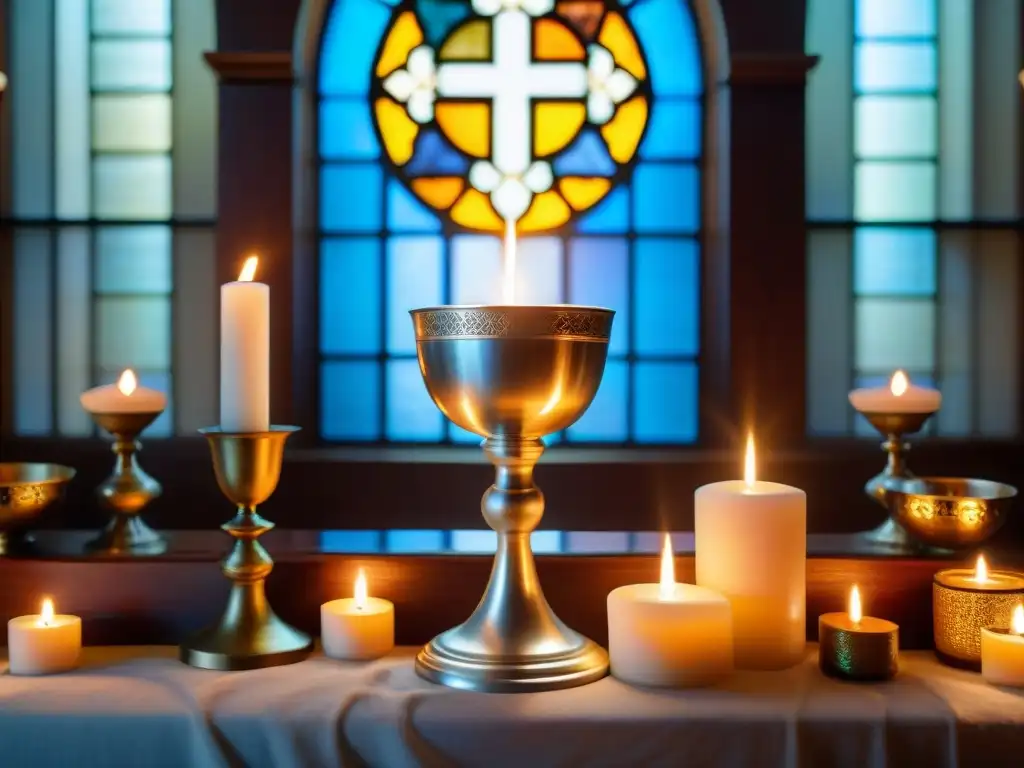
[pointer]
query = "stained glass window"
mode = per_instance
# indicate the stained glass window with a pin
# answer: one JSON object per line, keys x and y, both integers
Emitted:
{"x": 913, "y": 199}
{"x": 112, "y": 115}
{"x": 579, "y": 122}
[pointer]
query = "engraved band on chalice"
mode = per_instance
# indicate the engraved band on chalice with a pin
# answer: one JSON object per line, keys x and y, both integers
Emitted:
{"x": 578, "y": 323}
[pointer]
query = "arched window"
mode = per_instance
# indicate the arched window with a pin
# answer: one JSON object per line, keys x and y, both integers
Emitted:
{"x": 580, "y": 120}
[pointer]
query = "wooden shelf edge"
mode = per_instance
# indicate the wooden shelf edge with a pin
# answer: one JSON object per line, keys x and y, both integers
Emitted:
{"x": 251, "y": 67}
{"x": 771, "y": 68}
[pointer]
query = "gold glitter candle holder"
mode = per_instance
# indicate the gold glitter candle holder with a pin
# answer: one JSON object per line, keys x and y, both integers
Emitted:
{"x": 962, "y": 605}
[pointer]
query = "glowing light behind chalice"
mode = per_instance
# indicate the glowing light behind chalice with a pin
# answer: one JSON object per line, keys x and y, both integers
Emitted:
{"x": 512, "y": 374}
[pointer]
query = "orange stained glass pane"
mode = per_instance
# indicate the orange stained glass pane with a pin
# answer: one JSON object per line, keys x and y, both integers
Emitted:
{"x": 622, "y": 134}
{"x": 473, "y": 210}
{"x": 397, "y": 129}
{"x": 547, "y": 211}
{"x": 584, "y": 15}
{"x": 555, "y": 124}
{"x": 470, "y": 42}
{"x": 583, "y": 192}
{"x": 617, "y": 38}
{"x": 440, "y": 192}
{"x": 405, "y": 35}
{"x": 466, "y": 124}
{"x": 554, "y": 41}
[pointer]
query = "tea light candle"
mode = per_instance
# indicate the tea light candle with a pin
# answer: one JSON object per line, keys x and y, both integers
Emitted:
{"x": 669, "y": 634}
{"x": 245, "y": 353}
{"x": 964, "y": 602}
{"x": 1002, "y": 652}
{"x": 900, "y": 396}
{"x": 751, "y": 542}
{"x": 44, "y": 644}
{"x": 853, "y": 646}
{"x": 357, "y": 628}
{"x": 126, "y": 396}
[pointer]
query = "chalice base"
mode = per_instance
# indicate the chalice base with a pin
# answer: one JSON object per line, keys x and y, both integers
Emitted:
{"x": 230, "y": 646}
{"x": 127, "y": 535}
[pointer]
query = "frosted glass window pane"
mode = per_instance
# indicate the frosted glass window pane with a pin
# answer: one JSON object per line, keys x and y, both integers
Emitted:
{"x": 476, "y": 269}
{"x": 895, "y": 261}
{"x": 131, "y": 123}
{"x": 74, "y": 305}
{"x": 148, "y": 17}
{"x": 133, "y": 260}
{"x": 131, "y": 65}
{"x": 133, "y": 332}
{"x": 895, "y": 333}
{"x": 895, "y": 67}
{"x": 31, "y": 61}
{"x": 71, "y": 97}
{"x": 132, "y": 187}
{"x": 894, "y": 191}
{"x": 896, "y": 18}
{"x": 33, "y": 326}
{"x": 539, "y": 271}
{"x": 896, "y": 126}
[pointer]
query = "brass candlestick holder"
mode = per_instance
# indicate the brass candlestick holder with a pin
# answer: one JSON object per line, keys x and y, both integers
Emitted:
{"x": 894, "y": 426}
{"x": 512, "y": 374}
{"x": 127, "y": 491}
{"x": 248, "y": 634}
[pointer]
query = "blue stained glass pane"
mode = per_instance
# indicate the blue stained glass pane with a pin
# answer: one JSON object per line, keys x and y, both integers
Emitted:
{"x": 674, "y": 131}
{"x": 350, "y": 541}
{"x": 413, "y": 541}
{"x": 587, "y": 156}
{"x": 350, "y": 400}
{"x": 896, "y": 18}
{"x": 411, "y": 415}
{"x": 414, "y": 277}
{"x": 597, "y": 541}
{"x": 350, "y": 198}
{"x": 406, "y": 213}
{"x": 611, "y": 216}
{"x": 606, "y": 420}
{"x": 439, "y": 17}
{"x": 548, "y": 542}
{"x": 894, "y": 261}
{"x": 664, "y": 402}
{"x": 475, "y": 269}
{"x": 539, "y": 271}
{"x": 666, "y": 198}
{"x": 346, "y": 131}
{"x": 474, "y": 541}
{"x": 349, "y": 46}
{"x": 350, "y": 295}
{"x": 896, "y": 126}
{"x": 599, "y": 276}
{"x": 433, "y": 155}
{"x": 668, "y": 284}
{"x": 894, "y": 191}
{"x": 669, "y": 40}
{"x": 463, "y": 436}
{"x": 881, "y": 67}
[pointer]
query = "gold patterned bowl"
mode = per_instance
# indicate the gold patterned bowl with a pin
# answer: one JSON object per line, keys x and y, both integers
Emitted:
{"x": 512, "y": 370}
{"x": 950, "y": 512}
{"x": 26, "y": 490}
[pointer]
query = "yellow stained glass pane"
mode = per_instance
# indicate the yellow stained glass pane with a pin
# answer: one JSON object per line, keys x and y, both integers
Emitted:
{"x": 547, "y": 211}
{"x": 473, "y": 210}
{"x": 622, "y": 134}
{"x": 584, "y": 192}
{"x": 584, "y": 15}
{"x": 552, "y": 40}
{"x": 440, "y": 192}
{"x": 470, "y": 42}
{"x": 467, "y": 125}
{"x": 617, "y": 38}
{"x": 405, "y": 35}
{"x": 397, "y": 129}
{"x": 555, "y": 124}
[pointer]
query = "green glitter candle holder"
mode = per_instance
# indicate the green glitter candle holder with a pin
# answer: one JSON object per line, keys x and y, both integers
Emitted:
{"x": 863, "y": 651}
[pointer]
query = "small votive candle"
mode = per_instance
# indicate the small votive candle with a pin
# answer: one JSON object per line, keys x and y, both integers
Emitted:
{"x": 124, "y": 397}
{"x": 853, "y": 646}
{"x": 965, "y": 601}
{"x": 44, "y": 644}
{"x": 357, "y": 628}
{"x": 669, "y": 634}
{"x": 899, "y": 396}
{"x": 1002, "y": 652}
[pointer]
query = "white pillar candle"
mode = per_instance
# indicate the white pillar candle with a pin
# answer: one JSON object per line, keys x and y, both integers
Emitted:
{"x": 45, "y": 643}
{"x": 898, "y": 396}
{"x": 751, "y": 545}
{"x": 357, "y": 628}
{"x": 1002, "y": 652}
{"x": 245, "y": 353}
{"x": 126, "y": 396}
{"x": 669, "y": 634}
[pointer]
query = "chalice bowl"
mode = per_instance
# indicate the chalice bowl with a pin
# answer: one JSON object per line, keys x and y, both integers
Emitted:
{"x": 512, "y": 374}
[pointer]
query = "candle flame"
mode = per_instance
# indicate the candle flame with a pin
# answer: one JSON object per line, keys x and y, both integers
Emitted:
{"x": 1017, "y": 625}
{"x": 981, "y": 570}
{"x": 248, "y": 269}
{"x": 855, "y": 610}
{"x": 508, "y": 278}
{"x": 750, "y": 463}
{"x": 127, "y": 383}
{"x": 46, "y": 613}
{"x": 361, "y": 591}
{"x": 899, "y": 384}
{"x": 668, "y": 571}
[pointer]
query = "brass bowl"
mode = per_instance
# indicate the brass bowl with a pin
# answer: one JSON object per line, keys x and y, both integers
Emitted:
{"x": 950, "y": 512}
{"x": 26, "y": 490}
{"x": 526, "y": 371}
